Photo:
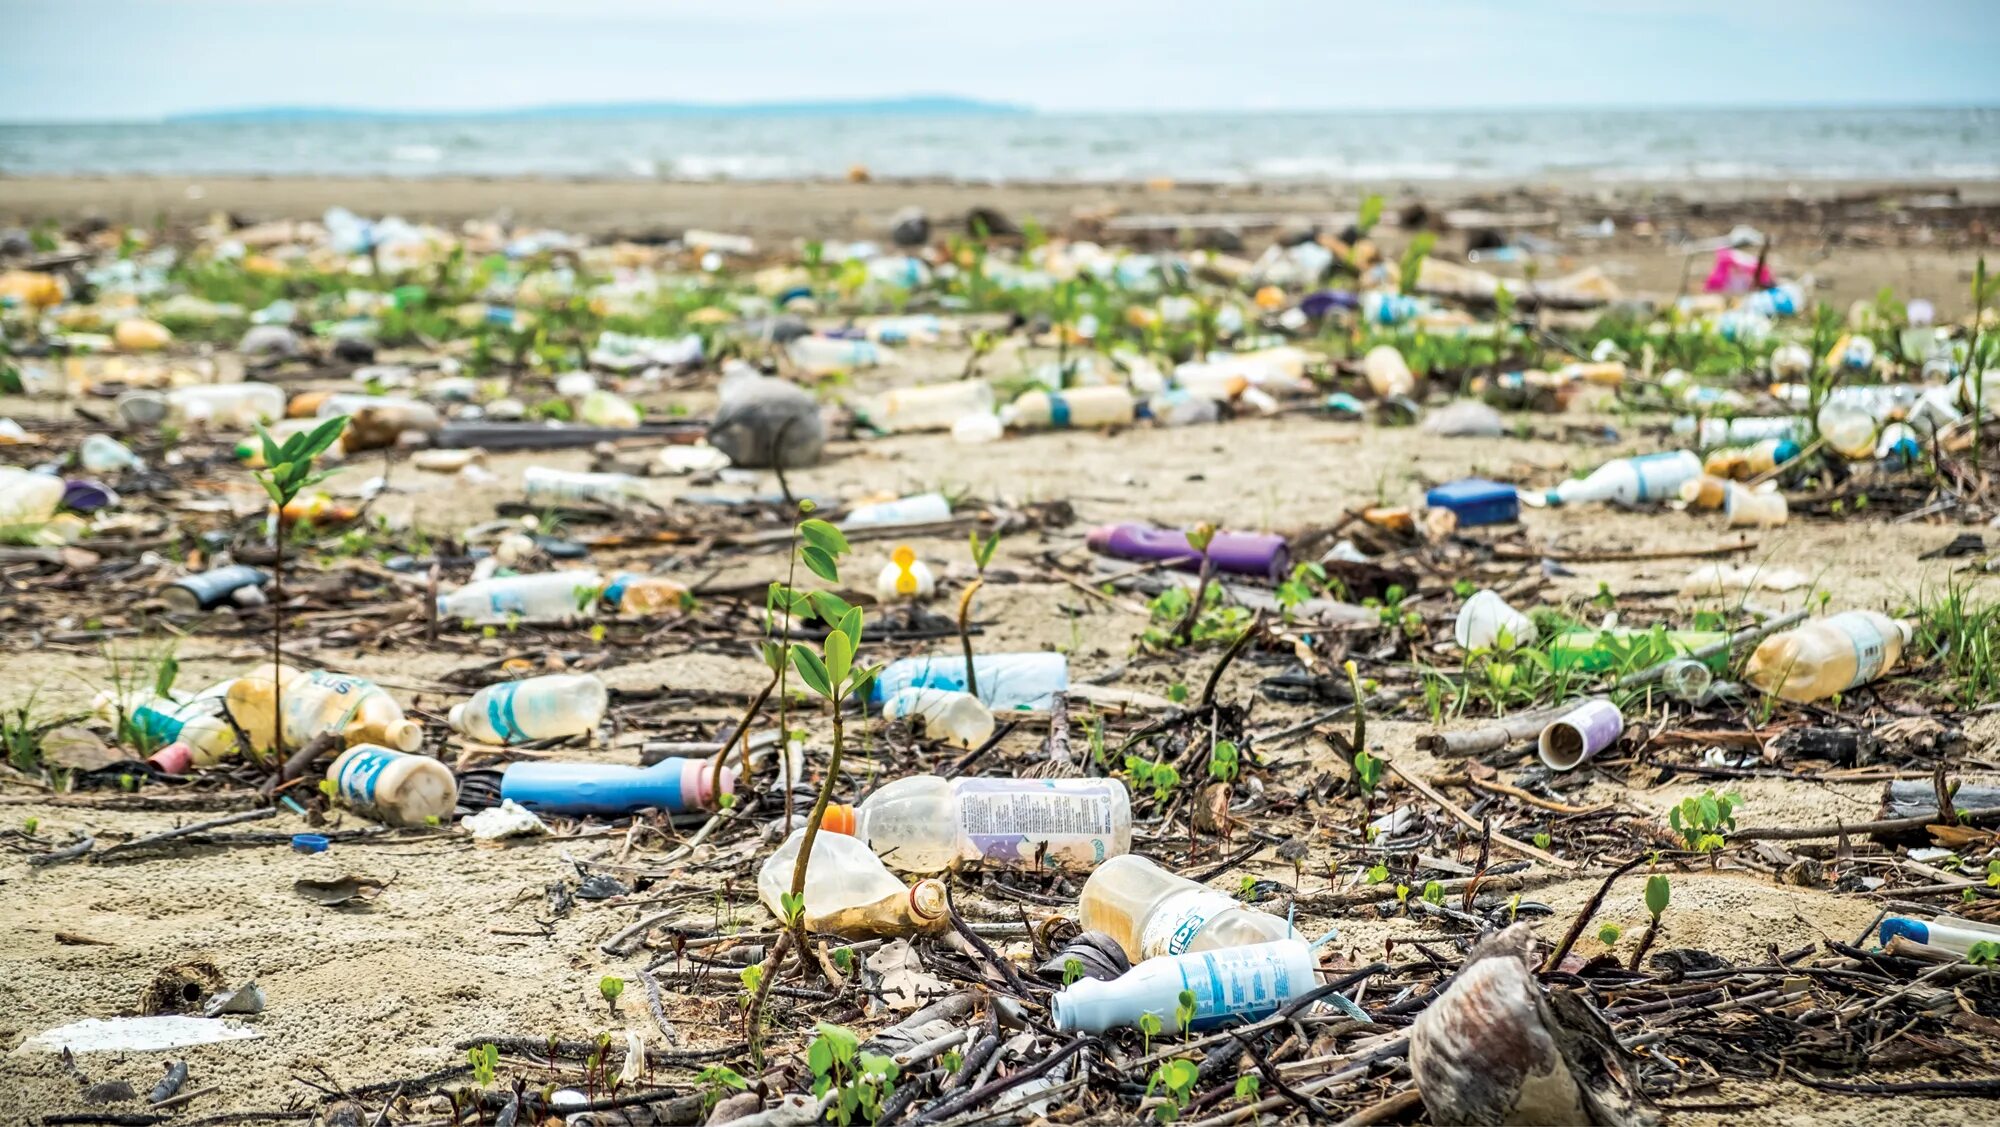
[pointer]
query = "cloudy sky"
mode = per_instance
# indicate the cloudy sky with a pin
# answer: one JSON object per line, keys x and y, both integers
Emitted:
{"x": 135, "y": 59}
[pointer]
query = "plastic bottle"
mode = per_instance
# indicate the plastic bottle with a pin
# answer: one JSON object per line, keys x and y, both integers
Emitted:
{"x": 1738, "y": 430}
{"x": 1382, "y": 307}
{"x": 821, "y": 356}
{"x": 1006, "y": 681}
{"x": 1741, "y": 462}
{"x": 103, "y": 454}
{"x": 557, "y": 596}
{"x": 1791, "y": 362}
{"x": 1686, "y": 679}
{"x": 538, "y": 708}
{"x": 316, "y": 702}
{"x": 1949, "y": 934}
{"x": 1151, "y": 912}
{"x": 1650, "y": 477}
{"x": 1482, "y": 619}
{"x": 198, "y": 723}
{"x": 1244, "y": 553}
{"x": 929, "y": 407}
{"x": 847, "y": 890}
{"x": 1849, "y": 430}
{"x": 211, "y": 588}
{"x": 920, "y": 509}
{"x": 554, "y": 488}
{"x": 382, "y": 423}
{"x": 28, "y": 500}
{"x": 955, "y": 718}
{"x": 392, "y": 787}
{"x": 136, "y": 334}
{"x": 612, "y": 789}
{"x": 905, "y": 578}
{"x": 1388, "y": 374}
{"x": 1705, "y": 492}
{"x": 1754, "y": 508}
{"x": 604, "y": 409}
{"x": 1077, "y": 408}
{"x": 1240, "y": 984}
{"x": 1832, "y": 655}
{"x": 927, "y": 824}
{"x": 235, "y": 406}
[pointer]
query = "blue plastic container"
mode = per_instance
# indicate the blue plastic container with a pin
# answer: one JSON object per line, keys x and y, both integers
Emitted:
{"x": 1477, "y": 501}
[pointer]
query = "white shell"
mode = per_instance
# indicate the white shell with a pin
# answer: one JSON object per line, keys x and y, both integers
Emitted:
{"x": 1483, "y": 1053}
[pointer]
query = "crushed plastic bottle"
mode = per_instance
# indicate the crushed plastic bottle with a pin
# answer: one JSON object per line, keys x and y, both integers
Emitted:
{"x": 676, "y": 786}
{"x": 823, "y": 356}
{"x": 1240, "y": 984}
{"x": 538, "y": 708}
{"x": 1629, "y": 481}
{"x": 394, "y": 787}
{"x": 103, "y": 454}
{"x": 1849, "y": 430}
{"x": 1831, "y": 655}
{"x": 953, "y": 717}
{"x": 927, "y": 824}
{"x": 1006, "y": 681}
{"x": 848, "y": 892}
{"x": 1484, "y": 617}
{"x": 316, "y": 702}
{"x": 1151, "y": 912}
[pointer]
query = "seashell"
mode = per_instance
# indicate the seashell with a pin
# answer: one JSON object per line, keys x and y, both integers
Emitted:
{"x": 1484, "y": 1054}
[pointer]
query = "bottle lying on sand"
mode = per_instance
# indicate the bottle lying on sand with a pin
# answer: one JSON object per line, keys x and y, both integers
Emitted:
{"x": 539, "y": 708}
{"x": 1237, "y": 984}
{"x": 1630, "y": 481}
{"x": 1151, "y": 912}
{"x": 393, "y": 787}
{"x": 676, "y": 786}
{"x": 315, "y": 702}
{"x": 1831, "y": 655}
{"x": 848, "y": 892}
{"x": 927, "y": 824}
{"x": 1244, "y": 553}
{"x": 1006, "y": 681}
{"x": 557, "y": 596}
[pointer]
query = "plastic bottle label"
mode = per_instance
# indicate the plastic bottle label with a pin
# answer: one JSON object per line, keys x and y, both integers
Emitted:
{"x": 1025, "y": 823}
{"x": 359, "y": 775}
{"x": 1659, "y": 475}
{"x": 1871, "y": 649}
{"x": 306, "y": 698}
{"x": 1179, "y": 918}
{"x": 500, "y": 713}
{"x": 1058, "y": 410}
{"x": 154, "y": 725}
{"x": 1242, "y": 982}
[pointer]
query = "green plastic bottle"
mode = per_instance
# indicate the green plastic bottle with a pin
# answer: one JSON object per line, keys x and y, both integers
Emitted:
{"x": 1594, "y": 651}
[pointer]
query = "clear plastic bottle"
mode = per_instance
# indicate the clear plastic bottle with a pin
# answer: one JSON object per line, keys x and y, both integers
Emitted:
{"x": 319, "y": 701}
{"x": 231, "y": 405}
{"x": 1743, "y": 507}
{"x": 551, "y": 596}
{"x": 390, "y": 786}
{"x": 927, "y": 823}
{"x": 848, "y": 891}
{"x": 1741, "y": 462}
{"x": 1848, "y": 429}
{"x": 1831, "y": 655}
{"x": 551, "y": 487}
{"x": 821, "y": 356}
{"x": 1650, "y": 477}
{"x": 953, "y": 717}
{"x": 1242, "y": 984}
{"x": 27, "y": 500}
{"x": 1078, "y": 408}
{"x": 1388, "y": 373}
{"x": 929, "y": 407}
{"x": 539, "y": 708}
{"x": 1151, "y": 912}
{"x": 1006, "y": 681}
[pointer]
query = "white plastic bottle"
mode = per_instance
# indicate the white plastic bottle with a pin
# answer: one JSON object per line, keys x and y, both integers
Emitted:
{"x": 848, "y": 892}
{"x": 1828, "y": 656}
{"x": 1240, "y": 984}
{"x": 551, "y": 596}
{"x": 1078, "y": 408}
{"x": 820, "y": 356}
{"x": 232, "y": 405}
{"x": 1388, "y": 374}
{"x": 953, "y": 717}
{"x": 919, "y": 509}
{"x": 1649, "y": 477}
{"x": 927, "y": 823}
{"x": 320, "y": 702}
{"x": 393, "y": 787}
{"x": 930, "y": 407}
{"x": 551, "y": 487}
{"x": 1006, "y": 681}
{"x": 1151, "y": 912}
{"x": 539, "y": 708}
{"x": 1484, "y": 617}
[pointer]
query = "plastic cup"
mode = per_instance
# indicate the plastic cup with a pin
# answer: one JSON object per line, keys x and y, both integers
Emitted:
{"x": 1746, "y": 509}
{"x": 1484, "y": 616}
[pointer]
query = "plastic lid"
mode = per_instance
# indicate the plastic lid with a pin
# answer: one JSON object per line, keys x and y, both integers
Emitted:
{"x": 310, "y": 843}
{"x": 927, "y": 901}
{"x": 174, "y": 759}
{"x": 839, "y": 819}
{"x": 698, "y": 783}
{"x": 1913, "y": 930}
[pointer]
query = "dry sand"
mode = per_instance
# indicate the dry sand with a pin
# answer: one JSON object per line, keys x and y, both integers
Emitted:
{"x": 462, "y": 944}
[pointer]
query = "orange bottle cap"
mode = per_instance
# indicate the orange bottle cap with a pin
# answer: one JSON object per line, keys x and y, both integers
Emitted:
{"x": 839, "y": 819}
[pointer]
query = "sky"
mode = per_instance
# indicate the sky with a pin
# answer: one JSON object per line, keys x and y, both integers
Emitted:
{"x": 69, "y": 60}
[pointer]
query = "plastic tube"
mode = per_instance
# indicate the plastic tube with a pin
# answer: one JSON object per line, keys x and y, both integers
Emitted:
{"x": 1578, "y": 736}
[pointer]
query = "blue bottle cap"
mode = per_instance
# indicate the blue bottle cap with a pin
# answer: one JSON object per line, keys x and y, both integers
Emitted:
{"x": 309, "y": 843}
{"x": 1913, "y": 930}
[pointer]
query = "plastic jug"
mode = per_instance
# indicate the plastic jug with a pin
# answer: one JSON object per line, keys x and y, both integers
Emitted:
{"x": 1239, "y": 984}
{"x": 1831, "y": 655}
{"x": 612, "y": 789}
{"x": 393, "y": 787}
{"x": 927, "y": 824}
{"x": 539, "y": 708}
{"x": 1079, "y": 408}
{"x": 1388, "y": 374}
{"x": 930, "y": 407}
{"x": 1006, "y": 681}
{"x": 320, "y": 701}
{"x": 953, "y": 717}
{"x": 1244, "y": 553}
{"x": 1151, "y": 912}
{"x": 1650, "y": 477}
{"x": 554, "y": 488}
{"x": 848, "y": 892}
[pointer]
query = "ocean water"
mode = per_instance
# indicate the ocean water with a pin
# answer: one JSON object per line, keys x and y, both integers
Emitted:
{"x": 1376, "y": 147}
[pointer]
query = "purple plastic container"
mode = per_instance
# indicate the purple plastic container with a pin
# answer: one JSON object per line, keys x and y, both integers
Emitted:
{"x": 1244, "y": 553}
{"x": 1580, "y": 734}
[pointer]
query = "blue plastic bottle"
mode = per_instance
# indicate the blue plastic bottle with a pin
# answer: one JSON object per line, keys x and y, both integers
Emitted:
{"x": 673, "y": 785}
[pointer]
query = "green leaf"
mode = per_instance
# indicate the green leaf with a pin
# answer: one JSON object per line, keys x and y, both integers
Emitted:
{"x": 819, "y": 1056}
{"x": 774, "y": 655}
{"x": 321, "y": 437}
{"x": 1657, "y": 894}
{"x": 850, "y": 625}
{"x": 859, "y": 682}
{"x": 841, "y": 1039}
{"x": 824, "y": 536}
{"x": 163, "y": 681}
{"x": 277, "y": 496}
{"x": 812, "y": 670}
{"x": 271, "y": 455}
{"x": 820, "y": 563}
{"x": 830, "y": 607}
{"x": 794, "y": 906}
{"x": 839, "y": 657}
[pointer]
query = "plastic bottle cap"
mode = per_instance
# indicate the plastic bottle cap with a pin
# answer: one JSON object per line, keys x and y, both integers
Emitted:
{"x": 453, "y": 717}
{"x": 404, "y": 735}
{"x": 839, "y": 819}
{"x": 927, "y": 900}
{"x": 309, "y": 843}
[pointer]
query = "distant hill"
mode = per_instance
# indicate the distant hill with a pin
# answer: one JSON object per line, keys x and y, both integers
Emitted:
{"x": 878, "y": 107}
